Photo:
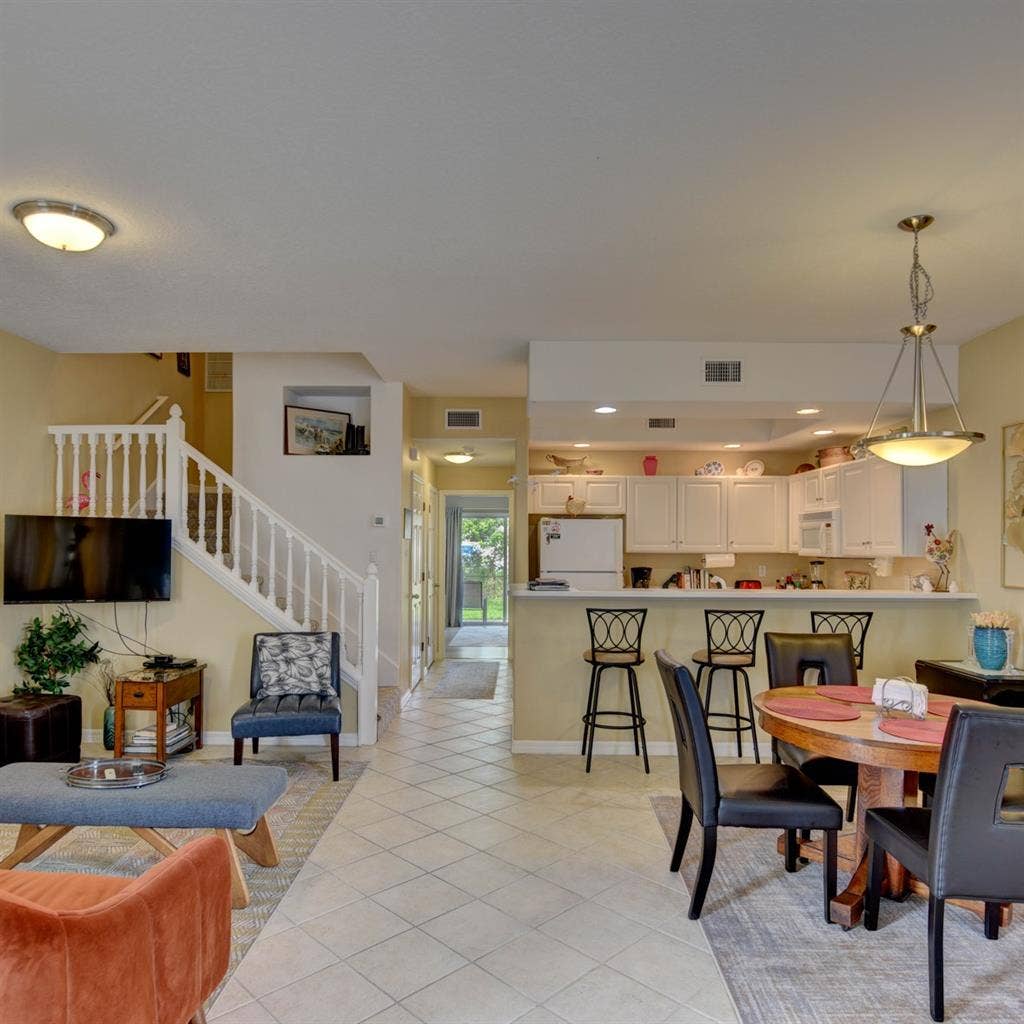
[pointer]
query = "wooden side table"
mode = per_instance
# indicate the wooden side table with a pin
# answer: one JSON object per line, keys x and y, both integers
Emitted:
{"x": 157, "y": 690}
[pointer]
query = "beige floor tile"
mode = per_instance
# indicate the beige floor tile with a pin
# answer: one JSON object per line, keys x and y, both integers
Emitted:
{"x": 533, "y": 900}
{"x": 232, "y": 995}
{"x": 422, "y": 898}
{"x": 483, "y": 832}
{"x": 339, "y": 847}
{"x": 537, "y": 965}
{"x": 475, "y": 929}
{"x": 317, "y": 896}
{"x": 529, "y": 851}
{"x": 356, "y": 812}
{"x": 480, "y": 874}
{"x": 409, "y": 798}
{"x": 394, "y": 1014}
{"x": 598, "y": 932}
{"x": 529, "y": 816}
{"x": 280, "y": 960}
{"x": 462, "y": 745}
{"x": 540, "y": 1015}
{"x": 335, "y": 995}
{"x": 374, "y": 784}
{"x": 378, "y": 872}
{"x": 443, "y": 815}
{"x": 450, "y": 786}
{"x": 469, "y": 996}
{"x": 394, "y": 831}
{"x": 406, "y": 963}
{"x": 434, "y": 851}
{"x": 673, "y": 968}
{"x": 278, "y": 921}
{"x": 605, "y": 995}
{"x": 656, "y": 906}
{"x": 486, "y": 799}
{"x": 457, "y": 763}
{"x": 250, "y": 1013}
{"x": 362, "y": 925}
{"x": 584, "y": 874}
{"x": 416, "y": 773}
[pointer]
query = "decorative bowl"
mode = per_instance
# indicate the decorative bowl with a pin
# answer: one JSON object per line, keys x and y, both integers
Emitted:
{"x": 570, "y": 465}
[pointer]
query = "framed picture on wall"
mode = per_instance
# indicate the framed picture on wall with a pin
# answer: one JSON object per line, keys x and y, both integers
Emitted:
{"x": 185, "y": 364}
{"x": 1013, "y": 505}
{"x": 314, "y": 431}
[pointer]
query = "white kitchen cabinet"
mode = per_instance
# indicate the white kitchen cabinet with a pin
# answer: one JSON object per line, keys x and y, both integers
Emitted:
{"x": 701, "y": 514}
{"x": 651, "y": 520}
{"x": 757, "y": 520}
{"x": 820, "y": 489}
{"x": 796, "y": 506}
{"x": 855, "y": 524}
{"x": 604, "y": 495}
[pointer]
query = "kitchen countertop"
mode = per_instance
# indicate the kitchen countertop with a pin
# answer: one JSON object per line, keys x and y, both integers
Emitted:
{"x": 766, "y": 594}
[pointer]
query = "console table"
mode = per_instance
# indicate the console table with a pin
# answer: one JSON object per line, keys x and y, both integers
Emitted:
{"x": 157, "y": 690}
{"x": 962, "y": 679}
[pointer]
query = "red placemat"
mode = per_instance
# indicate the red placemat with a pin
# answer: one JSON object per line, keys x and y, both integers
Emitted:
{"x": 912, "y": 729}
{"x": 941, "y": 706}
{"x": 815, "y": 710}
{"x": 849, "y": 694}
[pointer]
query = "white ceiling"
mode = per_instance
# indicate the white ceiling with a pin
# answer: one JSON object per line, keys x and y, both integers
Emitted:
{"x": 433, "y": 184}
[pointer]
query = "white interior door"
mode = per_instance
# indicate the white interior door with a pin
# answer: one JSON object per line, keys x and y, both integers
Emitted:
{"x": 417, "y": 585}
{"x": 431, "y": 587}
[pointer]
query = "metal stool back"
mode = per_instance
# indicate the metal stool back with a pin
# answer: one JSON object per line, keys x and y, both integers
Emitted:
{"x": 854, "y": 623}
{"x": 617, "y": 631}
{"x": 732, "y": 633}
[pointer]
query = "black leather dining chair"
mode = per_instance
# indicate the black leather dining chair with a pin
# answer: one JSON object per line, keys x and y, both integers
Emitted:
{"x": 831, "y": 656}
{"x": 970, "y": 843}
{"x": 775, "y": 796}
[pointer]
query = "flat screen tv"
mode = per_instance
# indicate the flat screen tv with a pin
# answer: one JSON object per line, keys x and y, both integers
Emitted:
{"x": 57, "y": 559}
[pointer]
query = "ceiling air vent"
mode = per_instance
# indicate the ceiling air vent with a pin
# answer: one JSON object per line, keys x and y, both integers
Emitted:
{"x": 218, "y": 371}
{"x": 661, "y": 423}
{"x": 463, "y": 419}
{"x": 722, "y": 371}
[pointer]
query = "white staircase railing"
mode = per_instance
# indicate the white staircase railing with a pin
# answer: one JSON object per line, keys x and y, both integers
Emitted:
{"x": 149, "y": 471}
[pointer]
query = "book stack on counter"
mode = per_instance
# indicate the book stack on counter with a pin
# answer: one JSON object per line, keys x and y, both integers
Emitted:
{"x": 143, "y": 741}
{"x": 549, "y": 584}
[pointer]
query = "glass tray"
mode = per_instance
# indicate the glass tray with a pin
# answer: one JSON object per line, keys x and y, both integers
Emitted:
{"x": 116, "y": 773}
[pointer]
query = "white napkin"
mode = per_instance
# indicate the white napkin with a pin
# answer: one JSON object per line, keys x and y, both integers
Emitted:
{"x": 901, "y": 694}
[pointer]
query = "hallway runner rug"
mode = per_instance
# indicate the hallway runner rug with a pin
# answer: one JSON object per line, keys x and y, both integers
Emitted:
{"x": 466, "y": 680}
{"x": 298, "y": 820}
{"x": 785, "y": 965}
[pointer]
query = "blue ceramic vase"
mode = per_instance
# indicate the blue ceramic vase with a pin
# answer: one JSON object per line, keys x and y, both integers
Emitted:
{"x": 990, "y": 648}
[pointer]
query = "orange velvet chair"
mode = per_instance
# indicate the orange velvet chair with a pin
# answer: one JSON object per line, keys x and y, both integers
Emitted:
{"x": 92, "y": 949}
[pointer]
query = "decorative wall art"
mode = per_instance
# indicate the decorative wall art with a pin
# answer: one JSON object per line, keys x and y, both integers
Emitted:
{"x": 185, "y": 364}
{"x": 1013, "y": 505}
{"x": 314, "y": 431}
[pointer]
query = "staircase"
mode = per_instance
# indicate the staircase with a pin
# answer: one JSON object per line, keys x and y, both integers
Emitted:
{"x": 149, "y": 471}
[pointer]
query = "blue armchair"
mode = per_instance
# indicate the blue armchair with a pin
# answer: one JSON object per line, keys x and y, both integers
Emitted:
{"x": 295, "y": 688}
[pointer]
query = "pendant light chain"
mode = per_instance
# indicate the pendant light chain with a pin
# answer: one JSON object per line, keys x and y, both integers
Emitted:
{"x": 919, "y": 298}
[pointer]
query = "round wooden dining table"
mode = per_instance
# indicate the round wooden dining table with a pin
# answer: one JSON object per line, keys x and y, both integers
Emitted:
{"x": 887, "y": 768}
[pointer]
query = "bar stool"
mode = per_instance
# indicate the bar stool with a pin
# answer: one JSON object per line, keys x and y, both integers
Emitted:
{"x": 854, "y": 623}
{"x": 615, "y": 635}
{"x": 731, "y": 645}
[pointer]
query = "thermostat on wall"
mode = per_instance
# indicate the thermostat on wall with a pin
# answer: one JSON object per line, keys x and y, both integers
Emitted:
{"x": 378, "y": 520}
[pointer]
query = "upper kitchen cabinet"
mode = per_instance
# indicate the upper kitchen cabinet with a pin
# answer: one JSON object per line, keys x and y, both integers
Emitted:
{"x": 701, "y": 514}
{"x": 651, "y": 520}
{"x": 604, "y": 495}
{"x": 884, "y": 507}
{"x": 757, "y": 519}
{"x": 796, "y": 506}
{"x": 819, "y": 490}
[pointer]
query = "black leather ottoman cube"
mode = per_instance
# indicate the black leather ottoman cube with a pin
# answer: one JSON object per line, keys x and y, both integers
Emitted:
{"x": 41, "y": 729}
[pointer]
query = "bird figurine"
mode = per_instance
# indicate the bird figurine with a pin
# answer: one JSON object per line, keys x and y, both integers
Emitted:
{"x": 84, "y": 499}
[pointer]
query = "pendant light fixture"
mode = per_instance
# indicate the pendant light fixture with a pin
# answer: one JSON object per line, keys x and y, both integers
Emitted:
{"x": 919, "y": 446}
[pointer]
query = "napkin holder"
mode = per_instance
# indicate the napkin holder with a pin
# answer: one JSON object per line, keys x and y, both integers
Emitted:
{"x": 901, "y": 694}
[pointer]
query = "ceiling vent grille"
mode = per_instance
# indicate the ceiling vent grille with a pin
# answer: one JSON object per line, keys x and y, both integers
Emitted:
{"x": 661, "y": 423}
{"x": 463, "y": 419}
{"x": 722, "y": 371}
{"x": 218, "y": 371}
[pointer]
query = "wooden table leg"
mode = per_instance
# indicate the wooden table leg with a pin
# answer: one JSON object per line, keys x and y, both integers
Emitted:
{"x": 239, "y": 888}
{"x": 32, "y": 841}
{"x": 157, "y": 840}
{"x": 197, "y": 714}
{"x": 161, "y": 723}
{"x": 259, "y": 845}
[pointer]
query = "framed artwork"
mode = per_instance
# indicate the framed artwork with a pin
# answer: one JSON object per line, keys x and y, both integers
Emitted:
{"x": 184, "y": 364}
{"x": 314, "y": 431}
{"x": 1013, "y": 506}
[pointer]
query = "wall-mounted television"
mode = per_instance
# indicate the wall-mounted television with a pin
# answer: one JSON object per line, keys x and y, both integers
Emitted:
{"x": 58, "y": 559}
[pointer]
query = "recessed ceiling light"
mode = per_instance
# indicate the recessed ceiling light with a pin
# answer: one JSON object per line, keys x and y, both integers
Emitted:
{"x": 64, "y": 226}
{"x": 459, "y": 458}
{"x": 807, "y": 412}
{"x": 822, "y": 433}
{"x": 732, "y": 445}
{"x": 582, "y": 444}
{"x": 605, "y": 410}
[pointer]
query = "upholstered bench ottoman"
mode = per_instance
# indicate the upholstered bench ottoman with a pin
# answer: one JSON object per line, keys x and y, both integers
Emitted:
{"x": 231, "y": 800}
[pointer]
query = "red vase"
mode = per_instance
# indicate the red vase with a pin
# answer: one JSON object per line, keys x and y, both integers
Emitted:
{"x": 650, "y": 465}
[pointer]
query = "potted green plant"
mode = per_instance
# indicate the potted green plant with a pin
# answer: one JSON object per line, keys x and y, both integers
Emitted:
{"x": 49, "y": 656}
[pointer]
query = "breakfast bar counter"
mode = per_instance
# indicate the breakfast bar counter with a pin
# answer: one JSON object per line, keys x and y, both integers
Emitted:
{"x": 550, "y": 634}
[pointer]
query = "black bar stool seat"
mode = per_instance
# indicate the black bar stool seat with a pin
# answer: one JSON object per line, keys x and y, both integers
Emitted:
{"x": 615, "y": 636}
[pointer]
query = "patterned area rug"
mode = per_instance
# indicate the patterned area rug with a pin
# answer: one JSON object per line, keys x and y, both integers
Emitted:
{"x": 785, "y": 965}
{"x": 298, "y": 820}
{"x": 479, "y": 636}
{"x": 467, "y": 680}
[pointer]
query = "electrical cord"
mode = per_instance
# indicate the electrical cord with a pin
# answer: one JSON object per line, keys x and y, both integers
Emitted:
{"x": 145, "y": 653}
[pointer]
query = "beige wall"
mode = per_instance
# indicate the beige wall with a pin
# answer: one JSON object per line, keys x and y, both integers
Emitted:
{"x": 473, "y": 478}
{"x": 991, "y": 397}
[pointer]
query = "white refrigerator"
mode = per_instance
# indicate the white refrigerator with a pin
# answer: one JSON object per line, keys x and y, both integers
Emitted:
{"x": 586, "y": 552}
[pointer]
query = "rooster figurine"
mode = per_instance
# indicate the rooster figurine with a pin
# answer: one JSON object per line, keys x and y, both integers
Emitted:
{"x": 84, "y": 499}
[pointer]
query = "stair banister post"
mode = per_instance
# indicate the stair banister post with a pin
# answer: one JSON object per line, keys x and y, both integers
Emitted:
{"x": 369, "y": 655}
{"x": 172, "y": 464}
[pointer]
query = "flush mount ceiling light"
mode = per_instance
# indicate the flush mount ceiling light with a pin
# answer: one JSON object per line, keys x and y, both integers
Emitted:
{"x": 822, "y": 433}
{"x": 459, "y": 458}
{"x": 606, "y": 410}
{"x": 807, "y": 412}
{"x": 64, "y": 226}
{"x": 582, "y": 444}
{"x": 919, "y": 446}
{"x": 731, "y": 446}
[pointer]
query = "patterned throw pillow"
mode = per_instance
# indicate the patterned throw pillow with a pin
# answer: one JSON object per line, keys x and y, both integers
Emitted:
{"x": 294, "y": 663}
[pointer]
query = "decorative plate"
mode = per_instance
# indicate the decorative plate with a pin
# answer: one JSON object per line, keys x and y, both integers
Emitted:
{"x": 712, "y": 468}
{"x": 755, "y": 467}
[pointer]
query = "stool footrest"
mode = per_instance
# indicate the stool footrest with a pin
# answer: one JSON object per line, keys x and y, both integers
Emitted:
{"x": 591, "y": 719}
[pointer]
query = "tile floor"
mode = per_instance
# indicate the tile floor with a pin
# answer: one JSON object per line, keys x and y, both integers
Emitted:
{"x": 463, "y": 883}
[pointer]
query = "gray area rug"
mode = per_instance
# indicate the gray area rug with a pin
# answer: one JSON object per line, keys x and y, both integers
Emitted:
{"x": 479, "y": 636}
{"x": 467, "y": 680}
{"x": 298, "y": 820}
{"x": 785, "y": 965}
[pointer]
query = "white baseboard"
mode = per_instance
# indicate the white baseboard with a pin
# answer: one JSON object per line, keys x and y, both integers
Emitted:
{"x": 659, "y": 748}
{"x": 224, "y": 739}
